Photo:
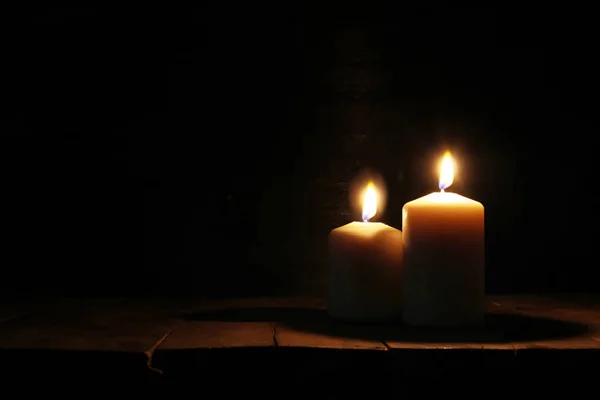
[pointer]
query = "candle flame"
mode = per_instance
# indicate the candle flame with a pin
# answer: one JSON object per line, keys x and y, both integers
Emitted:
{"x": 446, "y": 172}
{"x": 369, "y": 203}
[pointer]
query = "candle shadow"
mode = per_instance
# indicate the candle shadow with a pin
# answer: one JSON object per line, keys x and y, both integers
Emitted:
{"x": 498, "y": 328}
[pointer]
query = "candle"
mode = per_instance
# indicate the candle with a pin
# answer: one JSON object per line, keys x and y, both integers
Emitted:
{"x": 365, "y": 268}
{"x": 443, "y": 278}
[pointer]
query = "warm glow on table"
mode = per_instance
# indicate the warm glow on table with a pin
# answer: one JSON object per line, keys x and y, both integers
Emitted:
{"x": 444, "y": 257}
{"x": 365, "y": 267}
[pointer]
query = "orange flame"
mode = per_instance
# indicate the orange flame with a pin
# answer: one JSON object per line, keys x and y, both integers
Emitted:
{"x": 446, "y": 172}
{"x": 369, "y": 203}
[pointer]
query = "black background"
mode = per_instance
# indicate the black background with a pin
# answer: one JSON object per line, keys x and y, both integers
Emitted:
{"x": 210, "y": 150}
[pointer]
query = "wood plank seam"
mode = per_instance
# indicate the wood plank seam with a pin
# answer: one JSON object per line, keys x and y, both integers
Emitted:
{"x": 150, "y": 352}
{"x": 275, "y": 342}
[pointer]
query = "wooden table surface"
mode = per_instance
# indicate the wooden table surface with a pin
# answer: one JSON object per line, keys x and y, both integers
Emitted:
{"x": 150, "y": 330}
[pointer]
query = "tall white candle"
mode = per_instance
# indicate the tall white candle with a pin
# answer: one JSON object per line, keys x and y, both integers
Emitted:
{"x": 365, "y": 268}
{"x": 444, "y": 257}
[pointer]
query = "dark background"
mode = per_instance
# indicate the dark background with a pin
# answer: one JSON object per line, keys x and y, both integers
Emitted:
{"x": 210, "y": 150}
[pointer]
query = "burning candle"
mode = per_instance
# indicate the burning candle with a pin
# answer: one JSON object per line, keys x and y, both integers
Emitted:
{"x": 443, "y": 279}
{"x": 365, "y": 267}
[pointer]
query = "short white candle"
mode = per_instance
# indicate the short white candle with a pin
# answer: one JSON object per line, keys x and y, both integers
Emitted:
{"x": 365, "y": 268}
{"x": 444, "y": 257}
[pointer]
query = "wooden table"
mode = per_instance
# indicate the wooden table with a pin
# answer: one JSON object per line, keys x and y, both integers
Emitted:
{"x": 158, "y": 338}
